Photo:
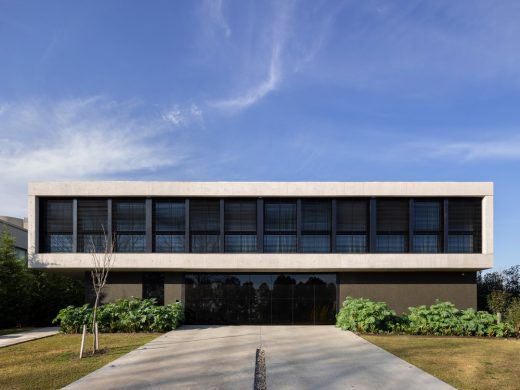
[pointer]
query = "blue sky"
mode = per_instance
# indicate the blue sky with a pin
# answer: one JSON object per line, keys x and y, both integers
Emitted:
{"x": 259, "y": 90}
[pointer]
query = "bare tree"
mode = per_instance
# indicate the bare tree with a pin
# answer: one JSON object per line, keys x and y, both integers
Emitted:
{"x": 102, "y": 262}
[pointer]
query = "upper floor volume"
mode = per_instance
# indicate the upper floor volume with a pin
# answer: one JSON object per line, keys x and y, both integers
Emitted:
{"x": 223, "y": 217}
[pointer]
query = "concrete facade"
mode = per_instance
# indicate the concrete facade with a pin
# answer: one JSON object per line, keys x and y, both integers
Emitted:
{"x": 400, "y": 279}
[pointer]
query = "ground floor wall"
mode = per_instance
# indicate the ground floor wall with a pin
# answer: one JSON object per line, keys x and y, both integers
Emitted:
{"x": 399, "y": 290}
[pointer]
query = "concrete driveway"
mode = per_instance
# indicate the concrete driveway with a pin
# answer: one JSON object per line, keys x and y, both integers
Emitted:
{"x": 223, "y": 357}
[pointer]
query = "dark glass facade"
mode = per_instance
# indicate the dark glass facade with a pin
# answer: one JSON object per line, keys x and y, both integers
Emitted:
{"x": 269, "y": 225}
{"x": 260, "y": 298}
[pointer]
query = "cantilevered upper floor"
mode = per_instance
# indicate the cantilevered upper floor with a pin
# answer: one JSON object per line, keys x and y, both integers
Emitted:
{"x": 271, "y": 226}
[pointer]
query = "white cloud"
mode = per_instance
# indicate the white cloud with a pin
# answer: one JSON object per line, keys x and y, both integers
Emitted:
{"x": 77, "y": 139}
{"x": 183, "y": 116}
{"x": 260, "y": 88}
{"x": 216, "y": 16}
{"x": 257, "y": 92}
{"x": 290, "y": 38}
{"x": 501, "y": 148}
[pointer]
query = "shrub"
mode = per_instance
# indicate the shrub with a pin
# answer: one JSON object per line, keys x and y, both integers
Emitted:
{"x": 364, "y": 315}
{"x": 439, "y": 319}
{"x": 513, "y": 315}
{"x": 498, "y": 301}
{"x": 123, "y": 315}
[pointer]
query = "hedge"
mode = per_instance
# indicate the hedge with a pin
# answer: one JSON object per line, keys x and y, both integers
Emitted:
{"x": 124, "y": 315}
{"x": 440, "y": 319}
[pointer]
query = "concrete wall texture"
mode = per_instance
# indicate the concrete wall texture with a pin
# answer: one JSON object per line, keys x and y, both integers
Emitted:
{"x": 401, "y": 280}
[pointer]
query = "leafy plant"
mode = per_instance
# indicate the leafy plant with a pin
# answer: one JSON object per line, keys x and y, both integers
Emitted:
{"x": 439, "y": 319}
{"x": 513, "y": 315}
{"x": 123, "y": 315}
{"x": 364, "y": 315}
{"x": 498, "y": 301}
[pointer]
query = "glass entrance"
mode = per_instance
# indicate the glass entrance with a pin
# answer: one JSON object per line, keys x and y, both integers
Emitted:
{"x": 260, "y": 298}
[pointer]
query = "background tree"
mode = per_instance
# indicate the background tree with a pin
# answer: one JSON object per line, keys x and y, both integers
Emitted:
{"x": 14, "y": 297}
{"x": 29, "y": 296}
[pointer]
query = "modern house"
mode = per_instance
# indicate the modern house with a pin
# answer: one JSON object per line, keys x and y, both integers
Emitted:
{"x": 16, "y": 227}
{"x": 272, "y": 252}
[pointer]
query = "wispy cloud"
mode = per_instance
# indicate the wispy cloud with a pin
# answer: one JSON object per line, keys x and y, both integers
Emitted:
{"x": 216, "y": 16}
{"x": 294, "y": 35}
{"x": 268, "y": 83}
{"x": 503, "y": 148}
{"x": 78, "y": 139}
{"x": 181, "y": 116}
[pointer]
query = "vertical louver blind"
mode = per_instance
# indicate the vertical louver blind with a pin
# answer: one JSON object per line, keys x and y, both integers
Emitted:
{"x": 280, "y": 226}
{"x": 316, "y": 225}
{"x": 352, "y": 225}
{"x": 169, "y": 225}
{"x": 427, "y": 224}
{"x": 56, "y": 225}
{"x": 392, "y": 219}
{"x": 129, "y": 225}
{"x": 92, "y": 225}
{"x": 240, "y": 215}
{"x": 205, "y": 225}
{"x": 240, "y": 225}
{"x": 465, "y": 225}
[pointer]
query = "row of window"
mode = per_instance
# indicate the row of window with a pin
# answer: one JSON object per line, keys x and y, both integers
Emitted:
{"x": 343, "y": 225}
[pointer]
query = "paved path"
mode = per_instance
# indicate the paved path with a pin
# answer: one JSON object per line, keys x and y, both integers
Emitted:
{"x": 28, "y": 335}
{"x": 297, "y": 357}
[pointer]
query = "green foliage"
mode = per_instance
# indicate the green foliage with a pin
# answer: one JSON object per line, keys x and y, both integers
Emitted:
{"x": 498, "y": 301}
{"x": 513, "y": 315}
{"x": 439, "y": 319}
{"x": 444, "y": 319}
{"x": 123, "y": 315}
{"x": 28, "y": 296}
{"x": 364, "y": 315}
{"x": 13, "y": 285}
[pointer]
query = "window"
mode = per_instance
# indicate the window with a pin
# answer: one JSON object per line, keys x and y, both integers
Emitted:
{"x": 56, "y": 225}
{"x": 316, "y": 225}
{"x": 280, "y": 226}
{"x": 153, "y": 286}
{"x": 92, "y": 225}
{"x": 129, "y": 225}
{"x": 392, "y": 225}
{"x": 205, "y": 225}
{"x": 352, "y": 225}
{"x": 465, "y": 225}
{"x": 169, "y": 225}
{"x": 427, "y": 223}
{"x": 240, "y": 225}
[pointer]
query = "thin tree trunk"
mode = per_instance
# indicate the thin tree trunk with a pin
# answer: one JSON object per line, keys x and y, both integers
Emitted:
{"x": 94, "y": 324}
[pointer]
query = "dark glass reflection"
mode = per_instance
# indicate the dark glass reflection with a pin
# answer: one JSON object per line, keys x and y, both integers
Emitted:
{"x": 260, "y": 298}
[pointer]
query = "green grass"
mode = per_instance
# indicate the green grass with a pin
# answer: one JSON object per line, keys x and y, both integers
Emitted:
{"x": 463, "y": 362}
{"x": 13, "y": 330}
{"x": 53, "y": 362}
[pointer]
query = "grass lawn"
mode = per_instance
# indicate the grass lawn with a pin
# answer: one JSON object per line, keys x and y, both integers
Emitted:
{"x": 53, "y": 362}
{"x": 463, "y": 362}
{"x": 13, "y": 330}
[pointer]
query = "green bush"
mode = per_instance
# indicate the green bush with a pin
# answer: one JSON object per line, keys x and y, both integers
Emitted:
{"x": 439, "y": 319}
{"x": 124, "y": 315}
{"x": 444, "y": 319}
{"x": 513, "y": 315}
{"x": 364, "y": 315}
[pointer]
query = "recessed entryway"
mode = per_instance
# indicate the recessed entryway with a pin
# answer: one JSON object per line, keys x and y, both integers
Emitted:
{"x": 260, "y": 298}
